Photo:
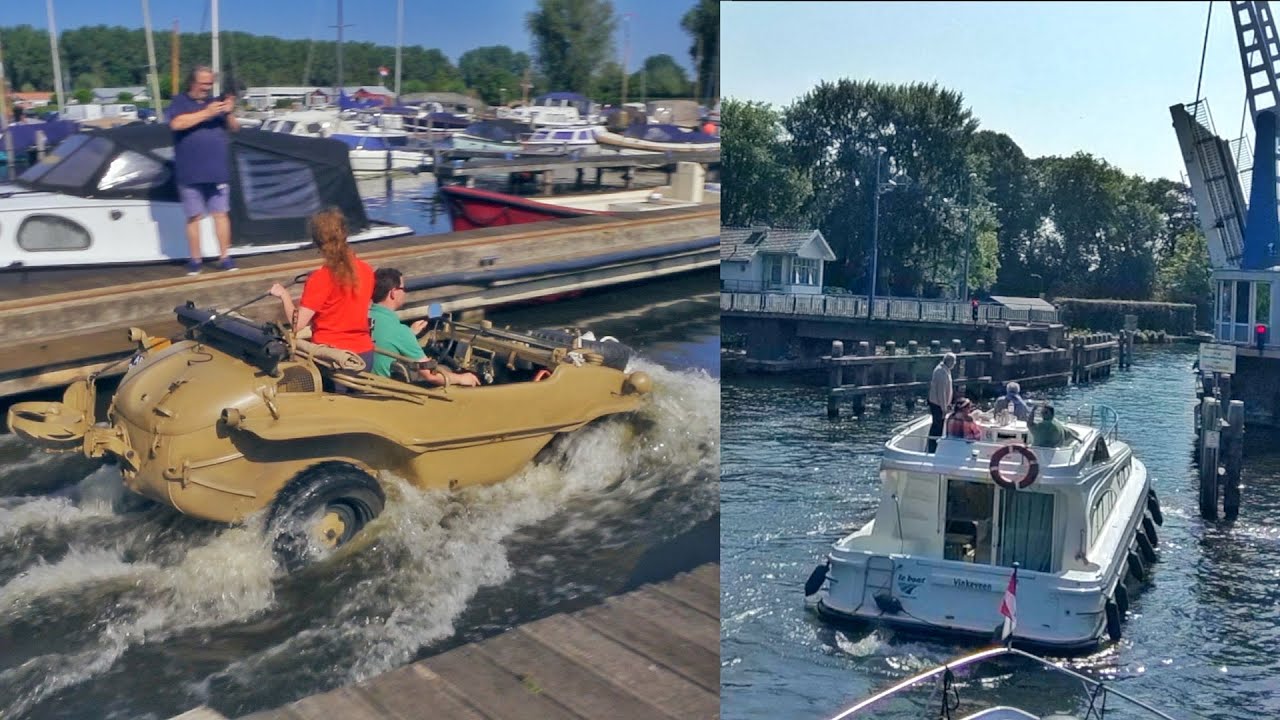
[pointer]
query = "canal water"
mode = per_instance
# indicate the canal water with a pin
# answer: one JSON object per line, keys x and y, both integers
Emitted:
{"x": 113, "y": 608}
{"x": 1202, "y": 640}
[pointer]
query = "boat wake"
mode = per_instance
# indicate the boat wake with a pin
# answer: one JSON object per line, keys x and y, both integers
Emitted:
{"x": 96, "y": 599}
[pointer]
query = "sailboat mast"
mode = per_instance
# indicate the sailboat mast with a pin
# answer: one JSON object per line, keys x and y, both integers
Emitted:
{"x": 10, "y": 160}
{"x": 152, "y": 76}
{"x": 340, "y": 85}
{"x": 217, "y": 60}
{"x": 57, "y": 62}
{"x": 173, "y": 61}
{"x": 399, "y": 41}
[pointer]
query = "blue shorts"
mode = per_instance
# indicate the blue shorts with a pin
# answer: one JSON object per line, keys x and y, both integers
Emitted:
{"x": 205, "y": 199}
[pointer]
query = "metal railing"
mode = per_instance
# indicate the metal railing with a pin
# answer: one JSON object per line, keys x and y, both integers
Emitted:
{"x": 1102, "y": 418}
{"x": 855, "y": 306}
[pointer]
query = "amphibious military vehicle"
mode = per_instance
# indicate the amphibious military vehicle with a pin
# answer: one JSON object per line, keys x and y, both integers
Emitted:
{"x": 236, "y": 417}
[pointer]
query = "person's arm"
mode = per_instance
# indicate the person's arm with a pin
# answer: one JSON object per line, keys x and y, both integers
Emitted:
{"x": 233, "y": 123}
{"x": 188, "y": 120}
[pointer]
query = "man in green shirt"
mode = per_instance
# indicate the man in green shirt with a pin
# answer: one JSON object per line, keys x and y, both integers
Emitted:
{"x": 1048, "y": 432}
{"x": 391, "y": 335}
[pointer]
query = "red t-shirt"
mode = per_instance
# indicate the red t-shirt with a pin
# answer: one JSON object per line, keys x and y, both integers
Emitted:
{"x": 342, "y": 314}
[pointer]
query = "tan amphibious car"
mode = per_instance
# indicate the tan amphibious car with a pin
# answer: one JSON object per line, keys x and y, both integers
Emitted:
{"x": 240, "y": 416}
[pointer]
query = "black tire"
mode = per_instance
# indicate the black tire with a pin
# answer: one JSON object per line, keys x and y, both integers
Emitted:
{"x": 1153, "y": 504}
{"x": 1148, "y": 550}
{"x": 1150, "y": 529}
{"x": 615, "y": 354}
{"x": 1122, "y": 599}
{"x": 1113, "y": 621}
{"x": 1137, "y": 570}
{"x": 338, "y": 493}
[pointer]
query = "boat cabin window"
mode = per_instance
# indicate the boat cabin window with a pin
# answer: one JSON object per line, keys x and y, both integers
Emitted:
{"x": 1026, "y": 530}
{"x": 73, "y": 163}
{"x": 133, "y": 171}
{"x": 563, "y": 135}
{"x": 276, "y": 187}
{"x": 968, "y": 528}
{"x": 287, "y": 126}
{"x": 1099, "y": 513}
{"x": 39, "y": 233}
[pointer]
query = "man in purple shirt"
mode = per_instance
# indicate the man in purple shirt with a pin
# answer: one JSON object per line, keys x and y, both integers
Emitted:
{"x": 202, "y": 162}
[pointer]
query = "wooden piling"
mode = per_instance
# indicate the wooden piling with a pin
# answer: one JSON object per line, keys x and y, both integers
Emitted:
{"x": 1210, "y": 440}
{"x": 835, "y": 379}
{"x": 859, "y": 399}
{"x": 1233, "y": 445}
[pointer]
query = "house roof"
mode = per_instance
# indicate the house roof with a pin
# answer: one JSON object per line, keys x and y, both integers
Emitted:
{"x": 1023, "y": 303}
{"x": 739, "y": 244}
{"x": 114, "y": 92}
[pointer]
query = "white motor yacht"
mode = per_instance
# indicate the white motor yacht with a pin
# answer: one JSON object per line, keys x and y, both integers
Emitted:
{"x": 960, "y": 689}
{"x": 563, "y": 141}
{"x": 1076, "y": 521}
{"x": 109, "y": 197}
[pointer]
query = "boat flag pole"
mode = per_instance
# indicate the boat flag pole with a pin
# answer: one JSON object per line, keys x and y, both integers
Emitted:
{"x": 57, "y": 60}
{"x": 217, "y": 59}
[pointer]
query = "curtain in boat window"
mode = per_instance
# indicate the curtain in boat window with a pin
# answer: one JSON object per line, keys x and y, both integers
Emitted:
{"x": 1026, "y": 530}
{"x": 275, "y": 186}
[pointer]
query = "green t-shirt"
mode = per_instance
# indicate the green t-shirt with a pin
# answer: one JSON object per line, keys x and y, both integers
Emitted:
{"x": 392, "y": 335}
{"x": 1046, "y": 433}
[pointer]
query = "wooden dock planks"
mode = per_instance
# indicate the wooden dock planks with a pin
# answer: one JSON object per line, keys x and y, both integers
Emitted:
{"x": 651, "y": 653}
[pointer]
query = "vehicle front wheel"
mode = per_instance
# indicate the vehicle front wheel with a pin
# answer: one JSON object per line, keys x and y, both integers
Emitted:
{"x": 320, "y": 510}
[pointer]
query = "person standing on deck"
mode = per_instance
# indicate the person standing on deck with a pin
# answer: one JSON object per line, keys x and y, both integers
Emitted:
{"x": 202, "y": 163}
{"x": 940, "y": 392}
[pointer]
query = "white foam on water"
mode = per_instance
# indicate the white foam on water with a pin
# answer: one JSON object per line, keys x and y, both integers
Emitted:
{"x": 96, "y": 496}
{"x": 224, "y": 581}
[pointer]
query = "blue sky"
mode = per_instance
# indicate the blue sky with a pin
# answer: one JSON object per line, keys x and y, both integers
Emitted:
{"x": 453, "y": 27}
{"x": 1056, "y": 77}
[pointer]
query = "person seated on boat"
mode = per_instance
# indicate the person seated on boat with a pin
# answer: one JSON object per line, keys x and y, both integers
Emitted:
{"x": 391, "y": 335}
{"x": 961, "y": 423}
{"x": 1048, "y": 432}
{"x": 1012, "y": 402}
{"x": 336, "y": 297}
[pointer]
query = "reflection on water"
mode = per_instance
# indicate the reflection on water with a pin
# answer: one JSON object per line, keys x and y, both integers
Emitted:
{"x": 114, "y": 607}
{"x": 1202, "y": 640}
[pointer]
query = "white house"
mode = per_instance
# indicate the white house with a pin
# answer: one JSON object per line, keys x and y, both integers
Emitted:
{"x": 781, "y": 260}
{"x": 109, "y": 95}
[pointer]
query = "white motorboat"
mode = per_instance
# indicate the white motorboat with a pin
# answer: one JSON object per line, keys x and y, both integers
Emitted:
{"x": 109, "y": 197}
{"x": 491, "y": 136}
{"x": 966, "y": 689}
{"x": 563, "y": 141}
{"x": 1077, "y": 522}
{"x": 658, "y": 138}
{"x": 382, "y": 151}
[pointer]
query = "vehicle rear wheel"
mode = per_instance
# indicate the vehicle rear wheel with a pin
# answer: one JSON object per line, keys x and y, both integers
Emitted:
{"x": 320, "y": 510}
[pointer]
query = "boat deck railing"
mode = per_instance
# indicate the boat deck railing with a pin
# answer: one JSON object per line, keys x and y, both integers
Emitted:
{"x": 1096, "y": 693}
{"x": 1102, "y": 418}
{"x": 912, "y": 437}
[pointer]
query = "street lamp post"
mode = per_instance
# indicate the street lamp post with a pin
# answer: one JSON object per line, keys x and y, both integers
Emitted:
{"x": 875, "y": 232}
{"x": 968, "y": 240}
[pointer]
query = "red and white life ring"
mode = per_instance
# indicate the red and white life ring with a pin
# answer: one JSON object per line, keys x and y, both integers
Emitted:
{"x": 1028, "y": 477}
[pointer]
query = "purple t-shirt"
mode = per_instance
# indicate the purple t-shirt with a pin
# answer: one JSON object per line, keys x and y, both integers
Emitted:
{"x": 200, "y": 153}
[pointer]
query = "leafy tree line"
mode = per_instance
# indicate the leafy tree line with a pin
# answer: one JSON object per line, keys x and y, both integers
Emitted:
{"x": 1063, "y": 226}
{"x": 573, "y": 40}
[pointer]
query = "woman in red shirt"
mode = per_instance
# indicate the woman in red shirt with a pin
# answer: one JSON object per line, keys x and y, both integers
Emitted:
{"x": 335, "y": 299}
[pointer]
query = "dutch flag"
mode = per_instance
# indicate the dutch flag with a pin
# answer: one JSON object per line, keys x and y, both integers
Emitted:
{"x": 1009, "y": 607}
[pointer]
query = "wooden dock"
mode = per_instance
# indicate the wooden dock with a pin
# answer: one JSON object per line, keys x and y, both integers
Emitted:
{"x": 888, "y": 374}
{"x": 650, "y": 653}
{"x": 60, "y": 324}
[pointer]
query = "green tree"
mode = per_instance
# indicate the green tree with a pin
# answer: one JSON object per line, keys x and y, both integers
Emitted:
{"x": 571, "y": 39}
{"x": 125, "y": 97}
{"x": 660, "y": 76}
{"x": 702, "y": 23}
{"x": 835, "y": 131}
{"x": 84, "y": 96}
{"x": 1184, "y": 275}
{"x": 490, "y": 69}
{"x": 1013, "y": 186}
{"x": 606, "y": 86}
{"x": 760, "y": 186}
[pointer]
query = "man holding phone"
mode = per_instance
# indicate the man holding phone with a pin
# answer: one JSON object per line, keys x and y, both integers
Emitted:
{"x": 202, "y": 162}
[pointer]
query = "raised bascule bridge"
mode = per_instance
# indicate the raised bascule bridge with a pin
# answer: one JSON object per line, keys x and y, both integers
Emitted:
{"x": 1236, "y": 199}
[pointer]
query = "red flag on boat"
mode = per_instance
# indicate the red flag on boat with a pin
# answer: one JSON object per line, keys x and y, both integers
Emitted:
{"x": 1009, "y": 606}
{"x": 383, "y": 71}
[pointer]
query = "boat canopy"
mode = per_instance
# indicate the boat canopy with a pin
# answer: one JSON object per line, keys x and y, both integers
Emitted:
{"x": 669, "y": 134}
{"x": 372, "y": 141}
{"x": 277, "y": 182}
{"x": 498, "y": 130}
